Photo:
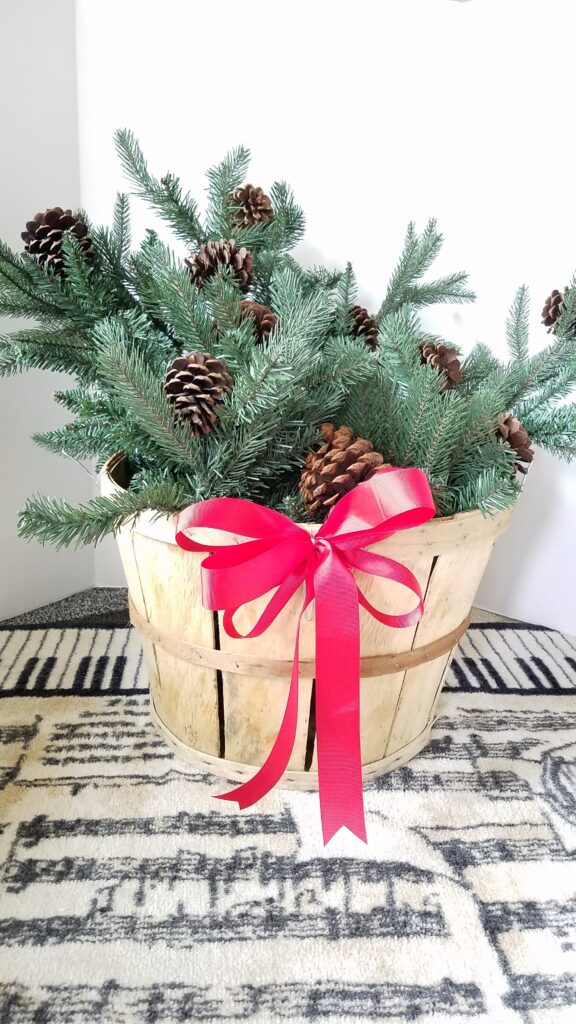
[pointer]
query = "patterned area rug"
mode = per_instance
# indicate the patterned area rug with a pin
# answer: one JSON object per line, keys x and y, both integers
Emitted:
{"x": 129, "y": 896}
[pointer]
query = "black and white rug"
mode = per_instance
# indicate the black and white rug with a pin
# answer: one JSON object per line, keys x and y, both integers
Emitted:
{"x": 129, "y": 896}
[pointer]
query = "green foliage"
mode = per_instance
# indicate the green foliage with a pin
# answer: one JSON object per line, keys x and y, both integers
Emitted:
{"x": 116, "y": 321}
{"x": 112, "y": 248}
{"x": 166, "y": 293}
{"x": 553, "y": 428}
{"x": 223, "y": 179}
{"x": 164, "y": 195}
{"x": 288, "y": 225}
{"x": 478, "y": 366}
{"x": 63, "y": 347}
{"x": 517, "y": 333}
{"x": 400, "y": 338}
{"x": 22, "y": 292}
{"x": 61, "y": 524}
{"x": 406, "y": 285}
{"x": 453, "y": 436}
{"x": 126, "y": 372}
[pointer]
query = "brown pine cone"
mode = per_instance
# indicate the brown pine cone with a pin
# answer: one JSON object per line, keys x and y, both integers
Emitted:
{"x": 510, "y": 428}
{"x": 343, "y": 461}
{"x": 262, "y": 317}
{"x": 43, "y": 237}
{"x": 444, "y": 359}
{"x": 255, "y": 206}
{"x": 222, "y": 253}
{"x": 365, "y": 327}
{"x": 553, "y": 307}
{"x": 195, "y": 384}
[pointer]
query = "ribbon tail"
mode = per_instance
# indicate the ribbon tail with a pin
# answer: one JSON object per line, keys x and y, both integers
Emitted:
{"x": 277, "y": 761}
{"x": 338, "y": 699}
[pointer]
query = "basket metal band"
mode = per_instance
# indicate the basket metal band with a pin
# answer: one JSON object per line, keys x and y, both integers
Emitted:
{"x": 250, "y": 665}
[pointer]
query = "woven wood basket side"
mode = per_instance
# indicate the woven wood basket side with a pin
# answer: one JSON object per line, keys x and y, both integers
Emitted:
{"x": 220, "y": 701}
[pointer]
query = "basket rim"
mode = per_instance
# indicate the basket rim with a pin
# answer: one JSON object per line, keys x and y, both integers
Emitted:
{"x": 441, "y": 533}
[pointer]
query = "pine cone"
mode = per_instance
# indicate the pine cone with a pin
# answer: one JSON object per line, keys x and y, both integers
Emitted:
{"x": 445, "y": 360}
{"x": 553, "y": 307}
{"x": 364, "y": 326}
{"x": 263, "y": 318}
{"x": 510, "y": 428}
{"x": 255, "y": 206}
{"x": 342, "y": 462}
{"x": 195, "y": 384}
{"x": 223, "y": 253}
{"x": 43, "y": 237}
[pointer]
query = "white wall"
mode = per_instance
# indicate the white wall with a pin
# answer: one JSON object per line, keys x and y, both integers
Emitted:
{"x": 38, "y": 168}
{"x": 376, "y": 114}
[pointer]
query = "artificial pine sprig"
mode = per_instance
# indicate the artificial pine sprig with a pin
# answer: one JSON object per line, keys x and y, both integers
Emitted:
{"x": 57, "y": 522}
{"x": 406, "y": 284}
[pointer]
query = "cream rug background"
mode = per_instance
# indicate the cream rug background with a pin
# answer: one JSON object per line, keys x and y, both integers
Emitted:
{"x": 129, "y": 896}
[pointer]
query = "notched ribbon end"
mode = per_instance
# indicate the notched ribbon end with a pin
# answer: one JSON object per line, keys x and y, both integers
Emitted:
{"x": 359, "y": 831}
{"x": 233, "y": 798}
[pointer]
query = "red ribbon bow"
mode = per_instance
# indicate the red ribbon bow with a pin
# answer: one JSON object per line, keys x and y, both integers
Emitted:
{"x": 285, "y": 556}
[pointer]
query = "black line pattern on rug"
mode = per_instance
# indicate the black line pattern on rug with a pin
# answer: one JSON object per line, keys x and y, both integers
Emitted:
{"x": 106, "y": 661}
{"x": 322, "y": 1001}
{"x": 127, "y": 871}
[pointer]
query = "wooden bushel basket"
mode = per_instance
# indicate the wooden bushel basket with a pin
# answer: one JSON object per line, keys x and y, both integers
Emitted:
{"x": 219, "y": 701}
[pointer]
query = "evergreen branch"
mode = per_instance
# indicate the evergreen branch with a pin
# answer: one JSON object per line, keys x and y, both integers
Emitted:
{"x": 347, "y": 362}
{"x": 30, "y": 289}
{"x": 92, "y": 294}
{"x": 422, "y": 393}
{"x": 401, "y": 336}
{"x": 288, "y": 225}
{"x": 166, "y": 291}
{"x": 304, "y": 319}
{"x": 517, "y": 326}
{"x": 96, "y": 437}
{"x": 19, "y": 295}
{"x": 446, "y": 289}
{"x": 479, "y": 366}
{"x": 490, "y": 492}
{"x": 417, "y": 256}
{"x": 481, "y": 419}
{"x": 372, "y": 410}
{"x": 347, "y": 288}
{"x": 553, "y": 429}
{"x": 63, "y": 348}
{"x": 223, "y": 299}
{"x": 129, "y": 378}
{"x": 320, "y": 277}
{"x": 112, "y": 249}
{"x": 87, "y": 400}
{"x": 560, "y": 385}
{"x": 79, "y": 440}
{"x": 346, "y": 293}
{"x": 122, "y": 233}
{"x": 223, "y": 179}
{"x": 165, "y": 196}
{"x": 520, "y": 379}
{"x": 445, "y": 426}
{"x": 566, "y": 322}
{"x": 49, "y": 520}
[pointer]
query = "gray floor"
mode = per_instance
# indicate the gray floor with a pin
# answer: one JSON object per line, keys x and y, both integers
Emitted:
{"x": 98, "y": 606}
{"x": 108, "y": 606}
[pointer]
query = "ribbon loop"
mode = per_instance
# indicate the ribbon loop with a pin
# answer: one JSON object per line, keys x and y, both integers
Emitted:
{"x": 279, "y": 555}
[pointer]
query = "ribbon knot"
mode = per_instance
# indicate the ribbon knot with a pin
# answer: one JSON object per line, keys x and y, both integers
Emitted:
{"x": 278, "y": 557}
